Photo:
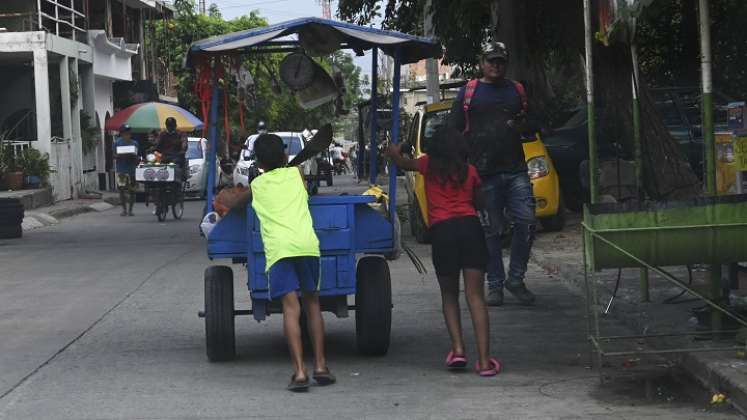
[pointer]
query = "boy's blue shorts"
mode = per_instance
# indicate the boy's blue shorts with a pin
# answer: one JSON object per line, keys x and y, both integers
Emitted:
{"x": 291, "y": 274}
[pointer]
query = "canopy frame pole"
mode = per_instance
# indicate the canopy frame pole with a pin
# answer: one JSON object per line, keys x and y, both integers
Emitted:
{"x": 395, "y": 134}
{"x": 638, "y": 153}
{"x": 594, "y": 194}
{"x": 709, "y": 136}
{"x": 372, "y": 171}
{"x": 213, "y": 140}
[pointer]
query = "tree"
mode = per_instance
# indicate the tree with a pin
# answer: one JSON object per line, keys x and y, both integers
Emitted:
{"x": 267, "y": 100}
{"x": 539, "y": 33}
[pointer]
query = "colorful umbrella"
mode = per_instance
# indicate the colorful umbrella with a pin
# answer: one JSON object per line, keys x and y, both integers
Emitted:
{"x": 148, "y": 116}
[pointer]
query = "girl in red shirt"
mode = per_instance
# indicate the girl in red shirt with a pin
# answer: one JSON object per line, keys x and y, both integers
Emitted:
{"x": 458, "y": 243}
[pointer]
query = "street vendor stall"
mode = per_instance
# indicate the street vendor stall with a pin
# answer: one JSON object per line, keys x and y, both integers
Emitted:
{"x": 347, "y": 226}
{"x": 651, "y": 235}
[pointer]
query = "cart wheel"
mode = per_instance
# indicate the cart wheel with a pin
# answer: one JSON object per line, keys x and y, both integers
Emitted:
{"x": 219, "y": 320}
{"x": 417, "y": 224}
{"x": 373, "y": 306}
{"x": 178, "y": 208}
{"x": 329, "y": 178}
{"x": 396, "y": 241}
{"x": 161, "y": 212}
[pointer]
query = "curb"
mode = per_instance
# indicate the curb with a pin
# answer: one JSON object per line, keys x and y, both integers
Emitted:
{"x": 714, "y": 372}
{"x": 34, "y": 220}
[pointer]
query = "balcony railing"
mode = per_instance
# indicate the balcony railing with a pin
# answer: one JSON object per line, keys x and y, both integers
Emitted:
{"x": 63, "y": 18}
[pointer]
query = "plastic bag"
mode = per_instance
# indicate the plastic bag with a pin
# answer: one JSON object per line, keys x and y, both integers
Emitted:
{"x": 208, "y": 223}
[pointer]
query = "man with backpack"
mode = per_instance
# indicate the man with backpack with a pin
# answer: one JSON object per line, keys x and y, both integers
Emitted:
{"x": 491, "y": 112}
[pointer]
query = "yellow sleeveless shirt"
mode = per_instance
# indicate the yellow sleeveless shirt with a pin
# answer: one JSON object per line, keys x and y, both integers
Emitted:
{"x": 282, "y": 205}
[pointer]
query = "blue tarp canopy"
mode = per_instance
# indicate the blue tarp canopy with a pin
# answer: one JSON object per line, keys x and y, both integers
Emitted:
{"x": 357, "y": 38}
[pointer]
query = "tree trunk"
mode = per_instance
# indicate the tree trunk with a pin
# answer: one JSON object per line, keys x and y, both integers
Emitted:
{"x": 667, "y": 173}
{"x": 517, "y": 25}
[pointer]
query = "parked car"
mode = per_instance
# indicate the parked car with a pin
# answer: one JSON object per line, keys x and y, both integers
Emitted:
{"x": 680, "y": 109}
{"x": 196, "y": 152}
{"x": 545, "y": 182}
{"x": 245, "y": 169}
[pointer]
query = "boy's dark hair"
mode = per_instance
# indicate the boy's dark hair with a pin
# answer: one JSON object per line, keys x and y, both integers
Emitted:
{"x": 270, "y": 152}
{"x": 448, "y": 157}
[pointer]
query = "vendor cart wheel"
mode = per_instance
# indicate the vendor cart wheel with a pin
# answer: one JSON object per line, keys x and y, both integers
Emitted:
{"x": 178, "y": 208}
{"x": 373, "y": 306}
{"x": 329, "y": 178}
{"x": 161, "y": 212}
{"x": 219, "y": 319}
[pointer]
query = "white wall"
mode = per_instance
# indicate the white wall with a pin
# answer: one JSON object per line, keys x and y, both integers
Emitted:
{"x": 110, "y": 60}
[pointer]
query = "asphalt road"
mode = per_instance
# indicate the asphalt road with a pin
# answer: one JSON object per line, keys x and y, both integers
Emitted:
{"x": 98, "y": 320}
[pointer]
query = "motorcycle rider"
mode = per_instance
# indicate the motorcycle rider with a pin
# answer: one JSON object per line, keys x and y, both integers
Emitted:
{"x": 338, "y": 157}
{"x": 172, "y": 145}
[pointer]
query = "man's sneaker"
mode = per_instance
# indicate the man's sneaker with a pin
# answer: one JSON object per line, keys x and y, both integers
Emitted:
{"x": 495, "y": 297}
{"x": 521, "y": 293}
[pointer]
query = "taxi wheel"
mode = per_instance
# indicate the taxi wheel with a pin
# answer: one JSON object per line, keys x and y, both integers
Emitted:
{"x": 417, "y": 224}
{"x": 556, "y": 222}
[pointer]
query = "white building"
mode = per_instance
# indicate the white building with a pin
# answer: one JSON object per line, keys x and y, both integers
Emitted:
{"x": 59, "y": 59}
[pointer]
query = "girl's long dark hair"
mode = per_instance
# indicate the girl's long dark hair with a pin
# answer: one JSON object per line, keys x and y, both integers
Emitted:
{"x": 447, "y": 152}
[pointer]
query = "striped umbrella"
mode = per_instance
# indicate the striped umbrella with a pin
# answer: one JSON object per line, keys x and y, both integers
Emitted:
{"x": 148, "y": 116}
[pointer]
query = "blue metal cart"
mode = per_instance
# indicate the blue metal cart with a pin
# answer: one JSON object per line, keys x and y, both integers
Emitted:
{"x": 354, "y": 238}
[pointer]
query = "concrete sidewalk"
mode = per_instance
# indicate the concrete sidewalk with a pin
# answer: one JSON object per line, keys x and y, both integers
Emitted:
{"x": 51, "y": 215}
{"x": 559, "y": 254}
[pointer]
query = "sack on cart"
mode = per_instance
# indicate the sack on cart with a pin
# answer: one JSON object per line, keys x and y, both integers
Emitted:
{"x": 231, "y": 198}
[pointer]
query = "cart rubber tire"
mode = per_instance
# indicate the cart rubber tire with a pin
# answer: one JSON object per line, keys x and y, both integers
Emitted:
{"x": 556, "y": 222}
{"x": 220, "y": 340}
{"x": 373, "y": 306}
{"x": 177, "y": 210}
{"x": 329, "y": 178}
{"x": 11, "y": 232}
{"x": 396, "y": 241}
{"x": 417, "y": 224}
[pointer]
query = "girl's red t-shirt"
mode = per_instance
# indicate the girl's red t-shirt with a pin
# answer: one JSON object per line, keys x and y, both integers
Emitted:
{"x": 444, "y": 201}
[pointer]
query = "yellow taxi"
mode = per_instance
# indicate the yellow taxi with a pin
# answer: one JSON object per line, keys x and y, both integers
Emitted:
{"x": 545, "y": 182}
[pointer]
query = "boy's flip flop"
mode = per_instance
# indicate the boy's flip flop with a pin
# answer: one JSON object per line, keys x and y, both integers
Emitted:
{"x": 454, "y": 361}
{"x": 494, "y": 369}
{"x": 298, "y": 386}
{"x": 324, "y": 378}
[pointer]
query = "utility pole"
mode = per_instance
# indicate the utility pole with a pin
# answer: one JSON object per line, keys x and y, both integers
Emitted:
{"x": 203, "y": 10}
{"x": 431, "y": 64}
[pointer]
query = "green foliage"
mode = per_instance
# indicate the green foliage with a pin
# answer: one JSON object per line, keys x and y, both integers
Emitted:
{"x": 669, "y": 48}
{"x": 279, "y": 111}
{"x": 89, "y": 134}
{"x": 7, "y": 159}
{"x": 34, "y": 162}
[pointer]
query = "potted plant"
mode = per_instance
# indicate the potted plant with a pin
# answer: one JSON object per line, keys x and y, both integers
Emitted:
{"x": 35, "y": 166}
{"x": 12, "y": 172}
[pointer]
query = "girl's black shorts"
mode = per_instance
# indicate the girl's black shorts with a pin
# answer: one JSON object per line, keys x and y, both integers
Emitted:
{"x": 458, "y": 243}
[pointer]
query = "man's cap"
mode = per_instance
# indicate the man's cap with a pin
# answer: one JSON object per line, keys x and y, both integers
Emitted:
{"x": 495, "y": 50}
{"x": 125, "y": 128}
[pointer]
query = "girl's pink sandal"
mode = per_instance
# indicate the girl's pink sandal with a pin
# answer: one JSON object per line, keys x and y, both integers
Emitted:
{"x": 494, "y": 369}
{"x": 454, "y": 361}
